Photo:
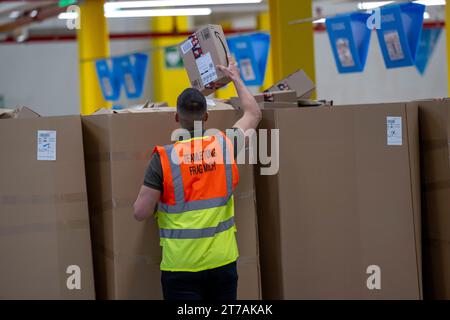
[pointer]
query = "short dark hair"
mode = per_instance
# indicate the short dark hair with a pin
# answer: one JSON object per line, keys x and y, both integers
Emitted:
{"x": 191, "y": 104}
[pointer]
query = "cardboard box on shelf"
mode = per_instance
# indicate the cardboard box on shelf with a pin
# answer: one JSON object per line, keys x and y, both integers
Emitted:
{"x": 201, "y": 53}
{"x": 18, "y": 113}
{"x": 44, "y": 224}
{"x": 343, "y": 212}
{"x": 434, "y": 119}
{"x": 126, "y": 252}
{"x": 299, "y": 82}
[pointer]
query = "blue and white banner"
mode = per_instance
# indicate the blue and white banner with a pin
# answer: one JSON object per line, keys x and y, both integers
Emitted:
{"x": 127, "y": 71}
{"x": 400, "y": 32}
{"x": 428, "y": 42}
{"x": 251, "y": 52}
{"x": 349, "y": 38}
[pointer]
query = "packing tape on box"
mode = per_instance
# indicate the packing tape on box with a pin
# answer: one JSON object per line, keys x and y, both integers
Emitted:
{"x": 96, "y": 209}
{"x": 437, "y": 243}
{"x": 434, "y": 144}
{"x": 438, "y": 185}
{"x": 245, "y": 194}
{"x": 43, "y": 199}
{"x": 119, "y": 156}
{"x": 118, "y": 203}
{"x": 151, "y": 259}
{"x": 63, "y": 225}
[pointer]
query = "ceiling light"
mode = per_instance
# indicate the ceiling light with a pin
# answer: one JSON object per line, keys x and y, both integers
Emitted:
{"x": 14, "y": 14}
{"x": 431, "y": 2}
{"x": 68, "y": 16}
{"x": 157, "y": 13}
{"x": 372, "y": 5}
{"x": 321, "y": 20}
{"x": 33, "y": 14}
{"x": 171, "y": 3}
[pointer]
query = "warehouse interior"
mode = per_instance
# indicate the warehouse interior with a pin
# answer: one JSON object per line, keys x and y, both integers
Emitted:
{"x": 351, "y": 200}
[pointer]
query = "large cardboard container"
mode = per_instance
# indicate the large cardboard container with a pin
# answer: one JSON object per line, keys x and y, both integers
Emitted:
{"x": 127, "y": 254}
{"x": 45, "y": 242}
{"x": 342, "y": 214}
{"x": 434, "y": 118}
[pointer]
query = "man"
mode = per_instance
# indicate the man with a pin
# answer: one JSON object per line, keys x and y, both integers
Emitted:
{"x": 195, "y": 211}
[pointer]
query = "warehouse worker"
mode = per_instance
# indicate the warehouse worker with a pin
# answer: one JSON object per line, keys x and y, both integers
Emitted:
{"x": 195, "y": 209}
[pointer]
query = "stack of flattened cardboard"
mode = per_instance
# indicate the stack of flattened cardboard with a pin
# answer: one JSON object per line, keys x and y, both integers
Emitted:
{"x": 45, "y": 244}
{"x": 127, "y": 254}
{"x": 341, "y": 219}
{"x": 435, "y": 172}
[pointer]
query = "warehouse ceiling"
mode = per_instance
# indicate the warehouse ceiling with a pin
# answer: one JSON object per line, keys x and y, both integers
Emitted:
{"x": 21, "y": 18}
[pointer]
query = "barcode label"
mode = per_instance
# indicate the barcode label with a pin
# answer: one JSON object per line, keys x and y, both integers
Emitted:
{"x": 206, "y": 34}
{"x": 46, "y": 145}
{"x": 186, "y": 46}
{"x": 206, "y": 69}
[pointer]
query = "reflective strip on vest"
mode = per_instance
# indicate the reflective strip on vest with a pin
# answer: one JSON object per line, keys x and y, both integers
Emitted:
{"x": 197, "y": 233}
{"x": 182, "y": 206}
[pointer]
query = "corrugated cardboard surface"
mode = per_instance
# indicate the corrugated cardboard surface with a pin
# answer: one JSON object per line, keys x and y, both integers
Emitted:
{"x": 435, "y": 171}
{"x": 127, "y": 254}
{"x": 343, "y": 200}
{"x": 44, "y": 224}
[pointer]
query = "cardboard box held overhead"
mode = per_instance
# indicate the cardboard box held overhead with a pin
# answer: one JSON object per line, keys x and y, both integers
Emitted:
{"x": 201, "y": 53}
{"x": 126, "y": 252}
{"x": 45, "y": 244}
{"x": 341, "y": 219}
{"x": 434, "y": 118}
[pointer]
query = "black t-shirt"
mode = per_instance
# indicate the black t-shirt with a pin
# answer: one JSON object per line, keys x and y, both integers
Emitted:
{"x": 154, "y": 174}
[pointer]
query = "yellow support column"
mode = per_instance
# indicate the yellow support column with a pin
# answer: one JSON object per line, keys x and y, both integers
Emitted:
{"x": 292, "y": 45}
{"x": 447, "y": 31}
{"x": 93, "y": 42}
{"x": 169, "y": 77}
{"x": 264, "y": 25}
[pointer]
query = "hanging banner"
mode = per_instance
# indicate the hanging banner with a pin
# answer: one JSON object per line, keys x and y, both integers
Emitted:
{"x": 349, "y": 38}
{"x": 128, "y": 71}
{"x": 428, "y": 41}
{"x": 251, "y": 53}
{"x": 109, "y": 82}
{"x": 399, "y": 34}
{"x": 131, "y": 71}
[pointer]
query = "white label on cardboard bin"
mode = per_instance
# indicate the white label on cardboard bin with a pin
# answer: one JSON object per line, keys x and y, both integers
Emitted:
{"x": 186, "y": 46}
{"x": 46, "y": 145}
{"x": 394, "y": 131}
{"x": 206, "y": 69}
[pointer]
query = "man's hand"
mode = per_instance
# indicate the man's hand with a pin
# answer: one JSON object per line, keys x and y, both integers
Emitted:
{"x": 145, "y": 203}
{"x": 252, "y": 112}
{"x": 232, "y": 71}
